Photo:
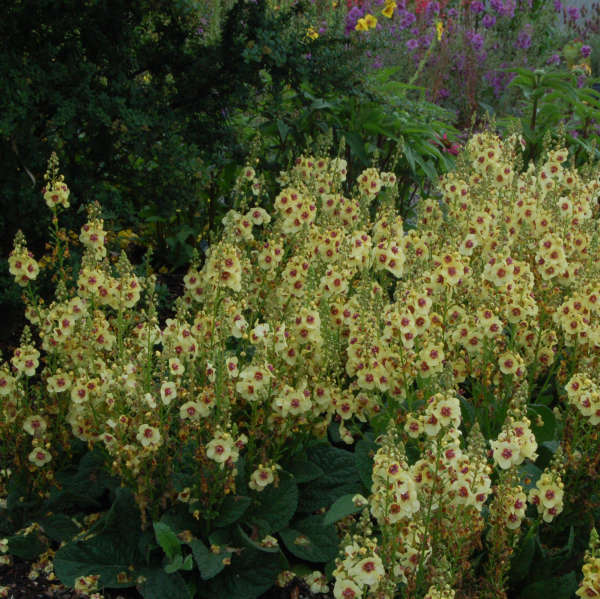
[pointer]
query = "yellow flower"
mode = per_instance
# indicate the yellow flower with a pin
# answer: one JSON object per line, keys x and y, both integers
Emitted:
{"x": 361, "y": 25}
{"x": 371, "y": 21}
{"x": 312, "y": 34}
{"x": 388, "y": 11}
{"x": 439, "y": 26}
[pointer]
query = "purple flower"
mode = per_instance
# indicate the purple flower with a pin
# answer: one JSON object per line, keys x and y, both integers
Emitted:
{"x": 554, "y": 59}
{"x": 497, "y": 5}
{"x": 586, "y": 51}
{"x": 352, "y": 17}
{"x": 523, "y": 40}
{"x": 407, "y": 18}
{"x": 477, "y": 7}
{"x": 433, "y": 8}
{"x": 508, "y": 10}
{"x": 412, "y": 44}
{"x": 443, "y": 93}
{"x": 573, "y": 12}
{"x": 558, "y": 6}
{"x": 452, "y": 13}
{"x": 426, "y": 40}
{"x": 488, "y": 21}
{"x": 476, "y": 40}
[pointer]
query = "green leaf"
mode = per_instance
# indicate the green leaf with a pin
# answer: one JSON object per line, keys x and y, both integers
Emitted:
{"x": 251, "y": 573}
{"x": 101, "y": 555}
{"x": 159, "y": 585}
{"x": 174, "y": 565}
{"x": 363, "y": 458}
{"x": 209, "y": 563}
{"x": 311, "y": 539}
{"x": 277, "y": 505}
{"x": 303, "y": 471}
{"x": 341, "y": 478}
{"x": 558, "y": 587}
{"x": 27, "y": 547}
{"x": 59, "y": 527}
{"x": 529, "y": 474}
{"x": 113, "y": 550}
{"x": 246, "y": 541}
{"x": 167, "y": 539}
{"x": 357, "y": 146}
{"x": 233, "y": 508}
{"x": 283, "y": 129}
{"x": 341, "y": 508}
{"x": 523, "y": 557}
{"x": 547, "y": 431}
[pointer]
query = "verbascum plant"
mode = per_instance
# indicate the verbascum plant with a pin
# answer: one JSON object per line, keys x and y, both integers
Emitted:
{"x": 466, "y": 347}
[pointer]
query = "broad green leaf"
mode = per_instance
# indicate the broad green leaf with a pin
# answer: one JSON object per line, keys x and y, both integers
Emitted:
{"x": 251, "y": 573}
{"x": 160, "y": 585}
{"x": 523, "y": 557}
{"x": 357, "y": 146}
{"x": 276, "y": 505}
{"x": 167, "y": 539}
{"x": 363, "y": 458}
{"x": 547, "y": 430}
{"x": 302, "y": 470}
{"x": 59, "y": 527}
{"x": 311, "y": 539}
{"x": 341, "y": 508}
{"x": 102, "y": 555}
{"x": 209, "y": 563}
{"x": 341, "y": 477}
{"x": 233, "y": 508}
{"x": 246, "y": 541}
{"x": 27, "y": 547}
{"x": 558, "y": 587}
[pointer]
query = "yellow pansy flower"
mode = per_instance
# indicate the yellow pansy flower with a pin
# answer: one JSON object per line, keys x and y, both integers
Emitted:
{"x": 371, "y": 21}
{"x": 361, "y": 25}
{"x": 388, "y": 11}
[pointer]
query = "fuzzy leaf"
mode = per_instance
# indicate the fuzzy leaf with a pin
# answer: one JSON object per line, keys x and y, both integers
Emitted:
{"x": 209, "y": 563}
{"x": 276, "y": 505}
{"x": 341, "y": 508}
{"x": 311, "y": 539}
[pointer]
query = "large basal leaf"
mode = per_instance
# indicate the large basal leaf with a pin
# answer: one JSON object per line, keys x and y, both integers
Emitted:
{"x": 311, "y": 539}
{"x": 302, "y": 470}
{"x": 59, "y": 527}
{"x": 342, "y": 507}
{"x": 276, "y": 506}
{"x": 557, "y": 587}
{"x": 547, "y": 431}
{"x": 160, "y": 585}
{"x": 27, "y": 547}
{"x": 341, "y": 478}
{"x": 113, "y": 549}
{"x": 209, "y": 563}
{"x": 102, "y": 555}
{"x": 522, "y": 558}
{"x": 233, "y": 508}
{"x": 363, "y": 458}
{"x": 251, "y": 573}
